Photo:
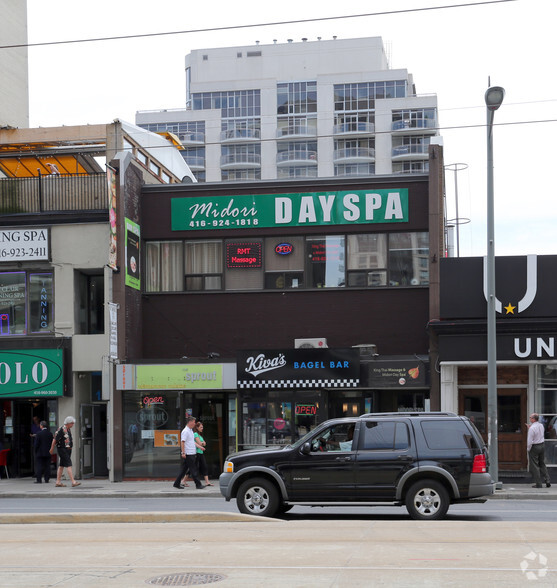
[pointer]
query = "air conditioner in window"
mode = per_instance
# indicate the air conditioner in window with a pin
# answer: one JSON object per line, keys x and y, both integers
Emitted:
{"x": 313, "y": 343}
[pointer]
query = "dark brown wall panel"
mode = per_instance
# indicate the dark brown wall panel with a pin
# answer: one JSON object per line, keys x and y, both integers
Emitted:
{"x": 176, "y": 325}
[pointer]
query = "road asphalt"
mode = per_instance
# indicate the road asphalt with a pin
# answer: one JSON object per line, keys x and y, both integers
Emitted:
{"x": 102, "y": 488}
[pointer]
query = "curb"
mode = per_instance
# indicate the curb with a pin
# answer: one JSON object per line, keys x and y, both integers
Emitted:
{"x": 125, "y": 517}
{"x": 512, "y": 495}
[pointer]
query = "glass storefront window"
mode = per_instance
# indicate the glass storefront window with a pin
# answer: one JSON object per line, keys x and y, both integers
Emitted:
{"x": 152, "y": 427}
{"x": 12, "y": 303}
{"x": 408, "y": 259}
{"x": 546, "y": 406}
{"x": 26, "y": 303}
{"x": 366, "y": 260}
{"x": 279, "y": 419}
{"x": 232, "y": 420}
{"x": 308, "y": 412}
{"x": 253, "y": 423}
{"x": 41, "y": 303}
{"x": 326, "y": 259}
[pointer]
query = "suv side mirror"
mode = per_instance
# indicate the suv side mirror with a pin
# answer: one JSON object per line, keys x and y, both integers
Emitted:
{"x": 306, "y": 448}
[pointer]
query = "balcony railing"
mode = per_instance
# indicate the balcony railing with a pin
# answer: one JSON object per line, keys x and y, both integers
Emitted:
{"x": 233, "y": 160}
{"x": 297, "y": 157}
{"x": 417, "y": 124}
{"x": 354, "y": 171}
{"x": 296, "y": 131}
{"x": 195, "y": 162}
{"x": 240, "y": 135}
{"x": 355, "y": 154}
{"x": 192, "y": 138}
{"x": 407, "y": 150}
{"x": 357, "y": 128}
{"x": 296, "y": 172}
{"x": 53, "y": 193}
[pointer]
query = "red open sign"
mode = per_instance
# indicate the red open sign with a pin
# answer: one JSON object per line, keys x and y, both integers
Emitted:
{"x": 284, "y": 248}
{"x": 306, "y": 409}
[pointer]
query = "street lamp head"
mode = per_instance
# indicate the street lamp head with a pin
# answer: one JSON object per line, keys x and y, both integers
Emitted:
{"x": 494, "y": 97}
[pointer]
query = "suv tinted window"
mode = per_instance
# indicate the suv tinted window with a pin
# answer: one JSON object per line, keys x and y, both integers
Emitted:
{"x": 335, "y": 438}
{"x": 384, "y": 435}
{"x": 452, "y": 434}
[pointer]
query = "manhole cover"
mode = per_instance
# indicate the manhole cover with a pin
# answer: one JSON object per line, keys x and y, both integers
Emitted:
{"x": 185, "y": 579}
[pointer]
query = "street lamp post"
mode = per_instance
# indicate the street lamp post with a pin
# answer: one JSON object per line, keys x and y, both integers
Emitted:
{"x": 493, "y": 100}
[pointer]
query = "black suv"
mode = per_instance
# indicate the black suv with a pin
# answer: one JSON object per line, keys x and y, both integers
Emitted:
{"x": 425, "y": 461}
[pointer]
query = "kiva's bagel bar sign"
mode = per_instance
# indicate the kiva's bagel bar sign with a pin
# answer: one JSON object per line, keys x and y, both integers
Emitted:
{"x": 247, "y": 211}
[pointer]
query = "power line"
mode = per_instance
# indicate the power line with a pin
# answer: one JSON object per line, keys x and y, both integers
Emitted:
{"x": 328, "y": 136}
{"x": 256, "y": 25}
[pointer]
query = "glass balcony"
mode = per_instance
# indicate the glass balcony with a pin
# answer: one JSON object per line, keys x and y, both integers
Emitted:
{"x": 195, "y": 162}
{"x": 297, "y": 157}
{"x": 295, "y": 131}
{"x": 240, "y": 135}
{"x": 354, "y": 171}
{"x": 193, "y": 139}
{"x": 417, "y": 124}
{"x": 354, "y": 128}
{"x": 411, "y": 152}
{"x": 296, "y": 172}
{"x": 354, "y": 155}
{"x": 240, "y": 160}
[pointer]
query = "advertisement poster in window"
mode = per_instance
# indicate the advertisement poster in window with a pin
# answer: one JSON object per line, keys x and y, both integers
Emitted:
{"x": 132, "y": 254}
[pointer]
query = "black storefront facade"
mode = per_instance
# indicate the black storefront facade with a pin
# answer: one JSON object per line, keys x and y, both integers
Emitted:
{"x": 341, "y": 287}
{"x": 526, "y": 324}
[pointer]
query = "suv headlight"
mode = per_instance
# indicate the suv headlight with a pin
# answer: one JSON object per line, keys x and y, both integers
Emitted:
{"x": 228, "y": 467}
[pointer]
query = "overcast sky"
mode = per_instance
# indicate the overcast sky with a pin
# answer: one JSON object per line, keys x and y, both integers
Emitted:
{"x": 451, "y": 52}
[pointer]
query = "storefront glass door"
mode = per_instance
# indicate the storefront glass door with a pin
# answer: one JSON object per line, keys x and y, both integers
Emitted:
{"x": 211, "y": 412}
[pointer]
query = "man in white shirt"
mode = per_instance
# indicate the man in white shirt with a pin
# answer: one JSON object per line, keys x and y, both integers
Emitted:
{"x": 536, "y": 452}
{"x": 188, "y": 451}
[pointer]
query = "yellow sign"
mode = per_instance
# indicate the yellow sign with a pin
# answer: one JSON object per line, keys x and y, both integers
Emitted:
{"x": 179, "y": 377}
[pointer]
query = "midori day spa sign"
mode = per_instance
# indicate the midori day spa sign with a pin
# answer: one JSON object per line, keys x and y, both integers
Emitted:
{"x": 290, "y": 210}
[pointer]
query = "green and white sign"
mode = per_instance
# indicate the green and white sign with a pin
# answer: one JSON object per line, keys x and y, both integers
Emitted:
{"x": 32, "y": 373}
{"x": 304, "y": 209}
{"x": 179, "y": 377}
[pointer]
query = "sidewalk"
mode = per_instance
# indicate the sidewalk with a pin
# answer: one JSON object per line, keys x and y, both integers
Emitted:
{"x": 102, "y": 488}
{"x": 99, "y": 488}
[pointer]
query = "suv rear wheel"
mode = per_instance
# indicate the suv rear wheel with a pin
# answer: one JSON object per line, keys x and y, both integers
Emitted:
{"x": 258, "y": 497}
{"x": 427, "y": 500}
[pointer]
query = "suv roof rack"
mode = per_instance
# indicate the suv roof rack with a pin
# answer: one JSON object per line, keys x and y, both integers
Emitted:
{"x": 408, "y": 414}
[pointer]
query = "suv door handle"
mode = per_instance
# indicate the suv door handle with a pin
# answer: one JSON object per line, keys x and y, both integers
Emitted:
{"x": 404, "y": 458}
{"x": 345, "y": 458}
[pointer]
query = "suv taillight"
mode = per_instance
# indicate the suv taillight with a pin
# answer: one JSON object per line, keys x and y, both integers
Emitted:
{"x": 480, "y": 465}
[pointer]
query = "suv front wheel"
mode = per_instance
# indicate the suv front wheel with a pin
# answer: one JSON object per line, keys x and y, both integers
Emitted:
{"x": 427, "y": 500}
{"x": 258, "y": 497}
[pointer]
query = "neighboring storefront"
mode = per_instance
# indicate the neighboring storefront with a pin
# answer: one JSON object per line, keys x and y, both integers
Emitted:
{"x": 526, "y": 351}
{"x": 284, "y": 393}
{"x": 156, "y": 399}
{"x": 31, "y": 382}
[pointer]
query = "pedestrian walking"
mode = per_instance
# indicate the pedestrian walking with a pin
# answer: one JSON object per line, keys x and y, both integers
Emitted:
{"x": 201, "y": 447}
{"x": 63, "y": 443}
{"x": 188, "y": 453}
{"x": 536, "y": 452}
{"x": 42, "y": 444}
